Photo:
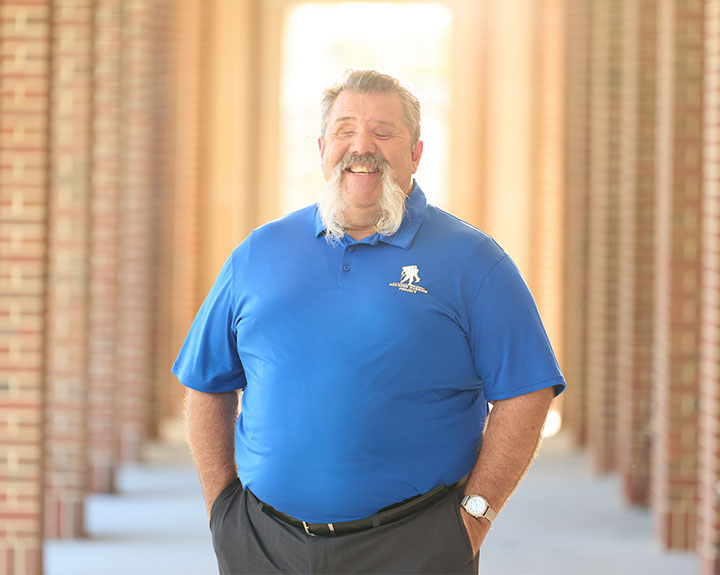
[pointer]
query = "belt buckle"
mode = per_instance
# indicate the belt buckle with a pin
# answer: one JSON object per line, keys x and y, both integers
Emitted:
{"x": 311, "y": 534}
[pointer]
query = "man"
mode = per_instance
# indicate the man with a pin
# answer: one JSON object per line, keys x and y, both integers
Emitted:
{"x": 369, "y": 333}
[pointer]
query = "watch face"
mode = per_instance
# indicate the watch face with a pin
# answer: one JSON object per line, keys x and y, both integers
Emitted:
{"x": 476, "y": 505}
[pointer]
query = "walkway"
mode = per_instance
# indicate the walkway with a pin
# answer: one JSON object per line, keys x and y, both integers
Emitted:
{"x": 562, "y": 521}
{"x": 156, "y": 525}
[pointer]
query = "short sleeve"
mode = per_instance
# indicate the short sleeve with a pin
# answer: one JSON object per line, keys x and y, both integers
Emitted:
{"x": 510, "y": 347}
{"x": 208, "y": 360}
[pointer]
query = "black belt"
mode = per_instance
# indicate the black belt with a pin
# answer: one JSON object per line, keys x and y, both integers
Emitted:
{"x": 383, "y": 517}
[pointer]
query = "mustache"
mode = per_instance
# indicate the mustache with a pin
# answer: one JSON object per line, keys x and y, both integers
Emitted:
{"x": 332, "y": 204}
{"x": 372, "y": 161}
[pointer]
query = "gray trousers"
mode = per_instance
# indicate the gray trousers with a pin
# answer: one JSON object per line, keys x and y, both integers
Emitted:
{"x": 249, "y": 540}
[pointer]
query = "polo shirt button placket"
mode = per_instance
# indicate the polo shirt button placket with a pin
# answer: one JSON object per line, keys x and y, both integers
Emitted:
{"x": 344, "y": 277}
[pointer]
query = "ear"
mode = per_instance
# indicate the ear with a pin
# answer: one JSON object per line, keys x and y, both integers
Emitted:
{"x": 321, "y": 148}
{"x": 416, "y": 154}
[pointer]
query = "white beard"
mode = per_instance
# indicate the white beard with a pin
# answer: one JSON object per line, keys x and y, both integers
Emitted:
{"x": 332, "y": 204}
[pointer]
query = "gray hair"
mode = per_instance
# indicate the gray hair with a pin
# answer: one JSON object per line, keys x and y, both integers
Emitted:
{"x": 372, "y": 81}
{"x": 332, "y": 204}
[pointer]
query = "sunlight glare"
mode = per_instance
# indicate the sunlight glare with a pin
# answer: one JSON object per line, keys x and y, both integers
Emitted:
{"x": 553, "y": 423}
{"x": 411, "y": 41}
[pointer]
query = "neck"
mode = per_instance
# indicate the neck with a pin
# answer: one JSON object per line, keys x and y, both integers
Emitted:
{"x": 358, "y": 234}
{"x": 359, "y": 222}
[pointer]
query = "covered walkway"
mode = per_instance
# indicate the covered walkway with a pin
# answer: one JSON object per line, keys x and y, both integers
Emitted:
{"x": 564, "y": 520}
{"x": 142, "y": 140}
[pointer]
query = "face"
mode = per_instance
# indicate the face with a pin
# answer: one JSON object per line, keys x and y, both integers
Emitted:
{"x": 368, "y": 123}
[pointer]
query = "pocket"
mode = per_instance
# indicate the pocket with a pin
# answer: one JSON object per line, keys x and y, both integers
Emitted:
{"x": 464, "y": 535}
{"x": 222, "y": 499}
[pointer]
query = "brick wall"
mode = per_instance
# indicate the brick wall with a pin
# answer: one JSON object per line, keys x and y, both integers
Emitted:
{"x": 661, "y": 239}
{"x": 709, "y": 506}
{"x": 636, "y": 246}
{"x": 575, "y": 221}
{"x": 679, "y": 200}
{"x": 81, "y": 128}
{"x": 68, "y": 251}
{"x": 603, "y": 230}
{"x": 24, "y": 101}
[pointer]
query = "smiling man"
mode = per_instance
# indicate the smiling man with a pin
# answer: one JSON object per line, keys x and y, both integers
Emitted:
{"x": 369, "y": 334}
{"x": 369, "y": 155}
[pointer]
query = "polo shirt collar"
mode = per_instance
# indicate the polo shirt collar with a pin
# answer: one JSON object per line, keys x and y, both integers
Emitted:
{"x": 415, "y": 209}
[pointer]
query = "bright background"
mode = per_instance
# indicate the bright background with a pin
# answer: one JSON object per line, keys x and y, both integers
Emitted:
{"x": 321, "y": 41}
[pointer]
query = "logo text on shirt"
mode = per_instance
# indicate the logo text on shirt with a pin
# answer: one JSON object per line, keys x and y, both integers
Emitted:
{"x": 409, "y": 276}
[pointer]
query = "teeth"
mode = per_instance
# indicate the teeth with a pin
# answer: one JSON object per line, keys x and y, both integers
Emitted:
{"x": 361, "y": 170}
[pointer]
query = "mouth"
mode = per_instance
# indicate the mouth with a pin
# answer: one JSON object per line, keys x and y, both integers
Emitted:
{"x": 362, "y": 170}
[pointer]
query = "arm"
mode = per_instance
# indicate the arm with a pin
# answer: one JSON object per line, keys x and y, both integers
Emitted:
{"x": 210, "y": 429}
{"x": 510, "y": 442}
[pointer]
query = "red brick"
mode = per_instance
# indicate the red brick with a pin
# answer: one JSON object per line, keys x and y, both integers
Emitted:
{"x": 603, "y": 251}
{"x": 103, "y": 421}
{"x": 636, "y": 248}
{"x": 709, "y": 370}
{"x": 577, "y": 176}
{"x": 675, "y": 465}
{"x": 68, "y": 256}
{"x": 23, "y": 180}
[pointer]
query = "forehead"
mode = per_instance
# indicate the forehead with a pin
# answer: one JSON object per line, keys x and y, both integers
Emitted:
{"x": 365, "y": 107}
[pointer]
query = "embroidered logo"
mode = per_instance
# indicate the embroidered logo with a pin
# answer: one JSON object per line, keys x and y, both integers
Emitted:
{"x": 409, "y": 276}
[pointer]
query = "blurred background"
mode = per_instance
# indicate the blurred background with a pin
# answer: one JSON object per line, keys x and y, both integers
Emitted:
{"x": 141, "y": 140}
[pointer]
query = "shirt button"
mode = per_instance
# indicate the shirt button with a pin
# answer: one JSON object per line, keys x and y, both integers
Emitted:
{"x": 346, "y": 268}
{"x": 351, "y": 248}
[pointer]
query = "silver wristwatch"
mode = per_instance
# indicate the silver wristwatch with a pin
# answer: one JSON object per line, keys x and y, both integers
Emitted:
{"x": 477, "y": 506}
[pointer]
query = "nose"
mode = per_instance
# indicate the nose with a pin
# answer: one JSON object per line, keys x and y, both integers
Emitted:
{"x": 362, "y": 143}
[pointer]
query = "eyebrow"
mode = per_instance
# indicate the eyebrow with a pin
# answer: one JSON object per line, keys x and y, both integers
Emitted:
{"x": 346, "y": 118}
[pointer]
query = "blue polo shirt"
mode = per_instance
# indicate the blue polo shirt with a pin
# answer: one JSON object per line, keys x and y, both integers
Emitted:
{"x": 366, "y": 365}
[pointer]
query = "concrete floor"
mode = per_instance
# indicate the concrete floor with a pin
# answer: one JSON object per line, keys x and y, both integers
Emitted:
{"x": 562, "y": 521}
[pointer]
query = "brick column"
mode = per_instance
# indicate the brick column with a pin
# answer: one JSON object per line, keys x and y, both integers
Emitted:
{"x": 24, "y": 102}
{"x": 508, "y": 117}
{"x": 674, "y": 480}
{"x": 469, "y": 113}
{"x": 709, "y": 524}
{"x": 576, "y": 198}
{"x": 103, "y": 318}
{"x": 161, "y": 228}
{"x": 66, "y": 350}
{"x": 180, "y": 280}
{"x": 603, "y": 225}
{"x": 636, "y": 247}
{"x": 136, "y": 258}
{"x": 547, "y": 182}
